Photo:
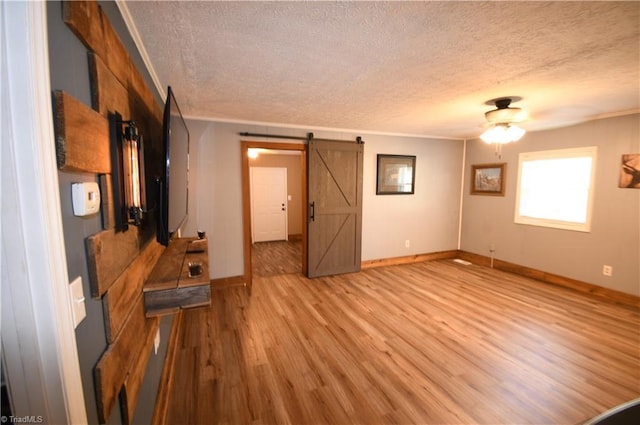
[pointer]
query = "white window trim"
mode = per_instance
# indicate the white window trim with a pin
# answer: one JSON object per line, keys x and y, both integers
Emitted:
{"x": 590, "y": 151}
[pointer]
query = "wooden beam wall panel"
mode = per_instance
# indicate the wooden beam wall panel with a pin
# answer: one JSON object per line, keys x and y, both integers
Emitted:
{"x": 107, "y": 208}
{"x": 84, "y": 18}
{"x": 112, "y": 368}
{"x": 120, "y": 299}
{"x": 109, "y": 254}
{"x": 107, "y": 93}
{"x": 159, "y": 303}
{"x": 166, "y": 273}
{"x": 139, "y": 89}
{"x": 116, "y": 56}
{"x": 133, "y": 381}
{"x": 166, "y": 379}
{"x": 82, "y": 136}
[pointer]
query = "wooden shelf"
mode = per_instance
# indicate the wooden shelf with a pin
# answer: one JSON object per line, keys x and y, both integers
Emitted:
{"x": 180, "y": 279}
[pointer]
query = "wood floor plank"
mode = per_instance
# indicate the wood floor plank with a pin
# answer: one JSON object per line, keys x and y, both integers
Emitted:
{"x": 433, "y": 342}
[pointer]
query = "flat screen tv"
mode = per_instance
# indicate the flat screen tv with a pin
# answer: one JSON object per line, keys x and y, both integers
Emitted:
{"x": 174, "y": 184}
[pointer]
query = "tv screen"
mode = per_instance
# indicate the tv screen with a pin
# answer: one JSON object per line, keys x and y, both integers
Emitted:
{"x": 174, "y": 187}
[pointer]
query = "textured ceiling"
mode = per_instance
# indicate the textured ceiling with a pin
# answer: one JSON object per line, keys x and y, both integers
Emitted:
{"x": 421, "y": 68}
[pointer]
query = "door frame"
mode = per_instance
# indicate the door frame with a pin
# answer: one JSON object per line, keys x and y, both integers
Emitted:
{"x": 246, "y": 199}
{"x": 39, "y": 346}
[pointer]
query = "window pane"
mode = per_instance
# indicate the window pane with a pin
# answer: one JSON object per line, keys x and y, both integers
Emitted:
{"x": 555, "y": 188}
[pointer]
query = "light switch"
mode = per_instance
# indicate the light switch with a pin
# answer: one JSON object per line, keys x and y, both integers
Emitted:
{"x": 78, "y": 309}
{"x": 86, "y": 198}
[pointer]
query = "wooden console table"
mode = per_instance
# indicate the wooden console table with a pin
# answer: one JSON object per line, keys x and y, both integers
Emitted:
{"x": 180, "y": 279}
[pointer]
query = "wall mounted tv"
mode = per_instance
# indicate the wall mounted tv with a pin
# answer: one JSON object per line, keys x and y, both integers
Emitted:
{"x": 174, "y": 184}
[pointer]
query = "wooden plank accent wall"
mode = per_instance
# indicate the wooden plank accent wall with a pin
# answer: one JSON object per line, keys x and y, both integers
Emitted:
{"x": 133, "y": 381}
{"x": 142, "y": 94}
{"x": 121, "y": 297}
{"x": 84, "y": 18}
{"x": 82, "y": 136}
{"x": 107, "y": 207}
{"x": 108, "y": 94}
{"x": 116, "y": 56}
{"x": 119, "y": 262}
{"x": 166, "y": 380}
{"x": 116, "y": 362}
{"x": 110, "y": 253}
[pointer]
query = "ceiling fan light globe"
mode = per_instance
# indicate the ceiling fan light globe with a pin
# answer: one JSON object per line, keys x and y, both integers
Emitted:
{"x": 502, "y": 134}
{"x": 515, "y": 133}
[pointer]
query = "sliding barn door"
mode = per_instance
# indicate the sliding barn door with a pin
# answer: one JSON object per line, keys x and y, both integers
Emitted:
{"x": 335, "y": 207}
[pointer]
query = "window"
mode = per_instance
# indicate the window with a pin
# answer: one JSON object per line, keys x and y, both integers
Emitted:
{"x": 555, "y": 188}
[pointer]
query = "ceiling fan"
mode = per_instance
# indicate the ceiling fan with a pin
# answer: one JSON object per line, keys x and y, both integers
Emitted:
{"x": 501, "y": 123}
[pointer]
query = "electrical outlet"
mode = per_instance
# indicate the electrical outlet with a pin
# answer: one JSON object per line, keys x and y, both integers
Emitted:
{"x": 607, "y": 270}
{"x": 407, "y": 243}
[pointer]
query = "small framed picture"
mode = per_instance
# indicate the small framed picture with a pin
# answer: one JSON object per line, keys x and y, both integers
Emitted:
{"x": 396, "y": 174}
{"x": 488, "y": 179}
{"x": 630, "y": 171}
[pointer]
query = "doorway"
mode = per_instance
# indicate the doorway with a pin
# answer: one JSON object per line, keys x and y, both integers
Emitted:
{"x": 300, "y": 150}
{"x": 269, "y": 204}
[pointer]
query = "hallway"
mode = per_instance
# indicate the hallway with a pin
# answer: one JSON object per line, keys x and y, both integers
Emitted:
{"x": 276, "y": 258}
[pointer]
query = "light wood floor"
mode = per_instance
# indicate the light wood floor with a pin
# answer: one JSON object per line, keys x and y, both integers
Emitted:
{"x": 428, "y": 343}
{"x": 275, "y": 258}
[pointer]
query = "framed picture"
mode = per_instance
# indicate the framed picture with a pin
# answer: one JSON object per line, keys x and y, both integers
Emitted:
{"x": 488, "y": 179}
{"x": 396, "y": 174}
{"x": 630, "y": 171}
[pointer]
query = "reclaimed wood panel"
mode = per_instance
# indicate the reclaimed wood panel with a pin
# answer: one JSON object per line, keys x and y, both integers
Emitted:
{"x": 115, "y": 55}
{"x": 195, "y": 268}
{"x": 122, "y": 295}
{"x": 82, "y": 136}
{"x": 118, "y": 263}
{"x": 107, "y": 93}
{"x": 109, "y": 253}
{"x": 170, "y": 287}
{"x": 112, "y": 368}
{"x": 107, "y": 207}
{"x": 139, "y": 89}
{"x": 166, "y": 379}
{"x": 167, "y": 271}
{"x": 133, "y": 381}
{"x": 159, "y": 303}
{"x": 84, "y": 18}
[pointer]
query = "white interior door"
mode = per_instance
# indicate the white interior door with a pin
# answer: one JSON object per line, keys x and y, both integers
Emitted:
{"x": 268, "y": 203}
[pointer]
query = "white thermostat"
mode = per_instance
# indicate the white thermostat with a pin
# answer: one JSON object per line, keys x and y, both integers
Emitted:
{"x": 86, "y": 198}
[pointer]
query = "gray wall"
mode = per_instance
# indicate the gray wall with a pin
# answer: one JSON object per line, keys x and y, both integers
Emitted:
{"x": 69, "y": 71}
{"x": 615, "y": 235}
{"x": 429, "y": 218}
